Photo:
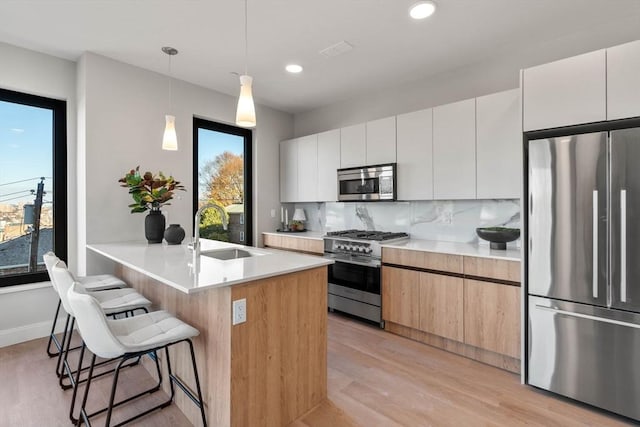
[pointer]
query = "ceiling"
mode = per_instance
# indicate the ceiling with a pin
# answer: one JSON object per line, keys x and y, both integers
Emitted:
{"x": 389, "y": 47}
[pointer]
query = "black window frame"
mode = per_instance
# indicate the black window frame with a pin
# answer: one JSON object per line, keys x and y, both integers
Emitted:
{"x": 247, "y": 134}
{"x": 59, "y": 150}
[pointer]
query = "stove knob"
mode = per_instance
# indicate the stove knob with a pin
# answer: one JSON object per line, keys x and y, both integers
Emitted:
{"x": 368, "y": 250}
{"x": 339, "y": 246}
{"x": 350, "y": 247}
{"x": 361, "y": 248}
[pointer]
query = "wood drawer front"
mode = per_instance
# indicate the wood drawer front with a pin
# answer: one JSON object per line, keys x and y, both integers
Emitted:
{"x": 401, "y": 296}
{"x": 422, "y": 259}
{"x": 441, "y": 305}
{"x": 299, "y": 244}
{"x": 492, "y": 317}
{"x": 492, "y": 268}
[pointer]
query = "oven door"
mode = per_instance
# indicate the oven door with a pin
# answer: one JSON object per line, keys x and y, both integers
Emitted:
{"x": 355, "y": 275}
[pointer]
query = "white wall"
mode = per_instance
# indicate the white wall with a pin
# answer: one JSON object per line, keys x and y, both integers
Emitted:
{"x": 118, "y": 119}
{"x": 26, "y": 310}
{"x": 124, "y": 109}
{"x": 497, "y": 73}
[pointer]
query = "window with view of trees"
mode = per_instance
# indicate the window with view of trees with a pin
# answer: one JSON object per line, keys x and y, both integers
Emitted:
{"x": 32, "y": 185}
{"x": 222, "y": 162}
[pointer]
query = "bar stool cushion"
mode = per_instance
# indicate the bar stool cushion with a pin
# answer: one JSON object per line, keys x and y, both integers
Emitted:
{"x": 96, "y": 282}
{"x": 113, "y": 338}
{"x": 110, "y": 301}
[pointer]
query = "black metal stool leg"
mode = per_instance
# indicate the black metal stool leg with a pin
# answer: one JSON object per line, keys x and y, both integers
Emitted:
{"x": 52, "y": 336}
{"x": 83, "y": 411}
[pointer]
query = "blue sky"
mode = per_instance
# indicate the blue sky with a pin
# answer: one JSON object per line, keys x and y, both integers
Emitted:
{"x": 25, "y": 151}
{"x": 212, "y": 143}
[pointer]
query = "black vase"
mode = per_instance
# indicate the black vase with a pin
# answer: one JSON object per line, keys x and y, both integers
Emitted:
{"x": 154, "y": 226}
{"x": 174, "y": 234}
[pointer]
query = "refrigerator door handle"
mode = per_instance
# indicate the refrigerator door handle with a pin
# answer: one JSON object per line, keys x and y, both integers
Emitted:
{"x": 623, "y": 245}
{"x": 587, "y": 316}
{"x": 595, "y": 245}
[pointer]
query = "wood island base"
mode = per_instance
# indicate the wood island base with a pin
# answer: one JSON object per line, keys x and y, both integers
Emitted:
{"x": 268, "y": 371}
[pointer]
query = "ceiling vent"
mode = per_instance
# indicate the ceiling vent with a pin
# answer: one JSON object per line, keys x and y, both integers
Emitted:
{"x": 336, "y": 49}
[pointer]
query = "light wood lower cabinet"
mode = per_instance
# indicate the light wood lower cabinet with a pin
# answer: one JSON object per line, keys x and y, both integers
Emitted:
{"x": 492, "y": 317}
{"x": 297, "y": 244}
{"x": 401, "y": 296}
{"x": 429, "y": 302}
{"x": 441, "y": 303}
{"x": 479, "y": 319}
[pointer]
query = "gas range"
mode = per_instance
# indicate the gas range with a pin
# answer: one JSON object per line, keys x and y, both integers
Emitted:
{"x": 360, "y": 243}
{"x": 355, "y": 278}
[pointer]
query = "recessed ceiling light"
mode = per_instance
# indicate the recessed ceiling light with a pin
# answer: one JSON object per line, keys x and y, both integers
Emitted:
{"x": 293, "y": 68}
{"x": 422, "y": 9}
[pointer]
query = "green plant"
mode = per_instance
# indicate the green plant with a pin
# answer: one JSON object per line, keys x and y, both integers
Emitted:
{"x": 149, "y": 191}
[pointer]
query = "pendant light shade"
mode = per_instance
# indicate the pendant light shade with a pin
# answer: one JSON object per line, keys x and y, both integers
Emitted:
{"x": 246, "y": 112}
{"x": 170, "y": 140}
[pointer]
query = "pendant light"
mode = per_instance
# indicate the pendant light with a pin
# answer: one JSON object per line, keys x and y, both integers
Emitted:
{"x": 170, "y": 139}
{"x": 246, "y": 112}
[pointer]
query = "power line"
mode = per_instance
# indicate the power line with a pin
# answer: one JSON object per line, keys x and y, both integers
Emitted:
{"x": 13, "y": 198}
{"x": 25, "y": 180}
{"x": 15, "y": 192}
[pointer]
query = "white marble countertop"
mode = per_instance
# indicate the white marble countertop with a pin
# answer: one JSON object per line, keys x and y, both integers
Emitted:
{"x": 316, "y": 235}
{"x": 175, "y": 265}
{"x": 455, "y": 248}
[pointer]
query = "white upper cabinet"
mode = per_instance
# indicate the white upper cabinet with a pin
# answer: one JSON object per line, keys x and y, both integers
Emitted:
{"x": 328, "y": 164}
{"x": 415, "y": 155}
{"x": 499, "y": 145}
{"x": 289, "y": 170}
{"x": 623, "y": 81}
{"x": 353, "y": 146}
{"x": 567, "y": 92}
{"x": 454, "y": 150}
{"x": 381, "y": 141}
{"x": 307, "y": 169}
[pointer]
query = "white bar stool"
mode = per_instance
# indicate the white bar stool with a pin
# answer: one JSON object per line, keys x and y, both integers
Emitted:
{"x": 112, "y": 302}
{"x": 130, "y": 338}
{"x": 97, "y": 282}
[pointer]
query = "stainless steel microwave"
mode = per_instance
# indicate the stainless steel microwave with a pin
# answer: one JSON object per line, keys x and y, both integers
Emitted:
{"x": 367, "y": 183}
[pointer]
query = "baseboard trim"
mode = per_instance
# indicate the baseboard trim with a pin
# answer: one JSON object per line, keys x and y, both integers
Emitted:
{"x": 28, "y": 332}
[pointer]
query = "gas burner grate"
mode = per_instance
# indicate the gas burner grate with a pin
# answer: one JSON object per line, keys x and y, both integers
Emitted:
{"x": 367, "y": 235}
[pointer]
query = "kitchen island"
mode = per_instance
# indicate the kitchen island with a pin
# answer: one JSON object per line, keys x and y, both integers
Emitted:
{"x": 269, "y": 370}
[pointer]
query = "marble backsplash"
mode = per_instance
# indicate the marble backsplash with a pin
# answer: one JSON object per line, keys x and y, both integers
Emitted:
{"x": 446, "y": 220}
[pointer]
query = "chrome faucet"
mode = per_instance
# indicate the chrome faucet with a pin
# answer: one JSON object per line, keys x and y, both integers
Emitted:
{"x": 195, "y": 245}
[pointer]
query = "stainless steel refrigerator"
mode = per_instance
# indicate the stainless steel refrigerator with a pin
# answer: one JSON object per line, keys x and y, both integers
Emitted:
{"x": 583, "y": 268}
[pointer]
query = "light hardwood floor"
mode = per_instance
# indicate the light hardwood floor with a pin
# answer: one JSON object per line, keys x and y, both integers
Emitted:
{"x": 374, "y": 379}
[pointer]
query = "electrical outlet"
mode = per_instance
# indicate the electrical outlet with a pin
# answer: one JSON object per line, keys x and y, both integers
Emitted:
{"x": 239, "y": 311}
{"x": 273, "y": 213}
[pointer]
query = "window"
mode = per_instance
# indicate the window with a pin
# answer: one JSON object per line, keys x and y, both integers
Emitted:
{"x": 33, "y": 202}
{"x": 222, "y": 175}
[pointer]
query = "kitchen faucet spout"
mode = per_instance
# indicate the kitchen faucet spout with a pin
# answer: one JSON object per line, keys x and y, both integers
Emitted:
{"x": 196, "y": 227}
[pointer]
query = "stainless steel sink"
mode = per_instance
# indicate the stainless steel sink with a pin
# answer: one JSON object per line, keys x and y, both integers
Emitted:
{"x": 227, "y": 254}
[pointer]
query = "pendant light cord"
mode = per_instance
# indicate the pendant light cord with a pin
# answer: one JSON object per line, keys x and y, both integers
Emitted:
{"x": 246, "y": 40}
{"x": 170, "y": 88}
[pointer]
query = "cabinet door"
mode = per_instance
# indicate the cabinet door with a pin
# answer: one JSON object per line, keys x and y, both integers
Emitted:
{"x": 499, "y": 145}
{"x": 623, "y": 81}
{"x": 353, "y": 146}
{"x": 400, "y": 296}
{"x": 381, "y": 141}
{"x": 328, "y": 164}
{"x": 441, "y": 305}
{"x": 415, "y": 155}
{"x": 566, "y": 92}
{"x": 454, "y": 150}
{"x": 492, "y": 317}
{"x": 289, "y": 170}
{"x": 307, "y": 169}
